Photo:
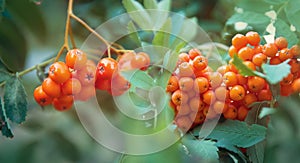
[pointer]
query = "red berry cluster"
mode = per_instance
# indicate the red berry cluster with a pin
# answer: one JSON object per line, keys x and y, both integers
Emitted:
{"x": 198, "y": 93}
{"x": 69, "y": 80}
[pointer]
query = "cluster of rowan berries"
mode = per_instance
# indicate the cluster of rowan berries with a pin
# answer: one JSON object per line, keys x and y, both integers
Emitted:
{"x": 78, "y": 77}
{"x": 198, "y": 93}
{"x": 66, "y": 81}
{"x": 249, "y": 49}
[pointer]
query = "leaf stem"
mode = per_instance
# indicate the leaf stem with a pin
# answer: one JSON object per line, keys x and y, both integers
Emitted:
{"x": 45, "y": 63}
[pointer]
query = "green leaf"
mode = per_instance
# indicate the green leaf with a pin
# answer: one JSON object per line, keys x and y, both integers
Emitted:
{"x": 275, "y": 2}
{"x": 4, "y": 75}
{"x": 275, "y": 73}
{"x": 283, "y": 29}
{"x": 204, "y": 150}
{"x": 30, "y": 15}
{"x": 133, "y": 34}
{"x": 229, "y": 146}
{"x": 293, "y": 12}
{"x": 243, "y": 69}
{"x": 150, "y": 4}
{"x": 256, "y": 152}
{"x": 139, "y": 79}
{"x": 266, "y": 111}
{"x": 162, "y": 37}
{"x": 138, "y": 100}
{"x": 164, "y": 5}
{"x": 239, "y": 133}
{"x": 158, "y": 97}
{"x": 5, "y": 127}
{"x": 252, "y": 18}
{"x": 137, "y": 13}
{"x": 15, "y": 100}
{"x": 11, "y": 37}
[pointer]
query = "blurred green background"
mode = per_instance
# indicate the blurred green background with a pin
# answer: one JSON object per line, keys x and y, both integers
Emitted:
{"x": 32, "y": 31}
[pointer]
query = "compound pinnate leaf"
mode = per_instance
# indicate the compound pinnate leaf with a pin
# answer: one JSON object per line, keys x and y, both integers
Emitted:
{"x": 283, "y": 29}
{"x": 275, "y": 73}
{"x": 203, "y": 150}
{"x": 239, "y": 133}
{"x": 162, "y": 37}
{"x": 15, "y": 100}
{"x": 251, "y": 18}
{"x": 133, "y": 34}
{"x": 5, "y": 127}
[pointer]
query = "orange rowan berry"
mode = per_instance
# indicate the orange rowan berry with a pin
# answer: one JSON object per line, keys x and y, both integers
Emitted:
{"x": 215, "y": 79}
{"x": 275, "y": 61}
{"x": 259, "y": 59}
{"x": 220, "y": 107}
{"x": 249, "y": 99}
{"x": 71, "y": 86}
{"x": 194, "y": 53}
{"x": 239, "y": 41}
{"x": 242, "y": 113}
{"x": 237, "y": 93}
{"x": 250, "y": 65}
{"x": 242, "y": 80}
{"x": 183, "y": 109}
{"x": 199, "y": 63}
{"x": 264, "y": 95}
{"x": 63, "y": 103}
{"x": 87, "y": 75}
{"x": 103, "y": 84}
{"x": 140, "y": 61}
{"x": 208, "y": 112}
{"x": 285, "y": 54}
{"x": 186, "y": 84}
{"x": 253, "y": 38}
{"x": 230, "y": 79}
{"x": 221, "y": 93}
{"x": 231, "y": 112}
{"x": 286, "y": 90}
{"x": 172, "y": 84}
{"x": 201, "y": 85}
{"x": 232, "y": 51}
{"x": 59, "y": 72}
{"x": 295, "y": 50}
{"x": 296, "y": 85}
{"x": 185, "y": 70}
{"x": 258, "y": 49}
{"x": 246, "y": 53}
{"x": 184, "y": 123}
{"x": 223, "y": 69}
{"x": 209, "y": 97}
{"x": 86, "y": 93}
{"x": 295, "y": 66}
{"x": 76, "y": 59}
{"x": 287, "y": 80}
{"x": 196, "y": 104}
{"x": 51, "y": 88}
{"x": 179, "y": 97}
{"x": 198, "y": 119}
{"x": 255, "y": 83}
{"x": 281, "y": 42}
{"x": 270, "y": 49}
{"x": 41, "y": 97}
{"x": 118, "y": 85}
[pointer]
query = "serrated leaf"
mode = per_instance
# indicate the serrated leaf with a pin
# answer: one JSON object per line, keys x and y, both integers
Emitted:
{"x": 239, "y": 133}
{"x": 256, "y": 152}
{"x": 243, "y": 69}
{"x": 229, "y": 146}
{"x": 4, "y": 75}
{"x": 275, "y": 2}
{"x": 283, "y": 29}
{"x": 30, "y": 15}
{"x": 275, "y": 73}
{"x": 293, "y": 12}
{"x": 138, "y": 14}
{"x": 204, "y": 150}
{"x": 5, "y": 127}
{"x": 10, "y": 38}
{"x": 150, "y": 4}
{"x": 139, "y": 79}
{"x": 15, "y": 100}
{"x": 133, "y": 33}
{"x": 162, "y": 37}
{"x": 266, "y": 111}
